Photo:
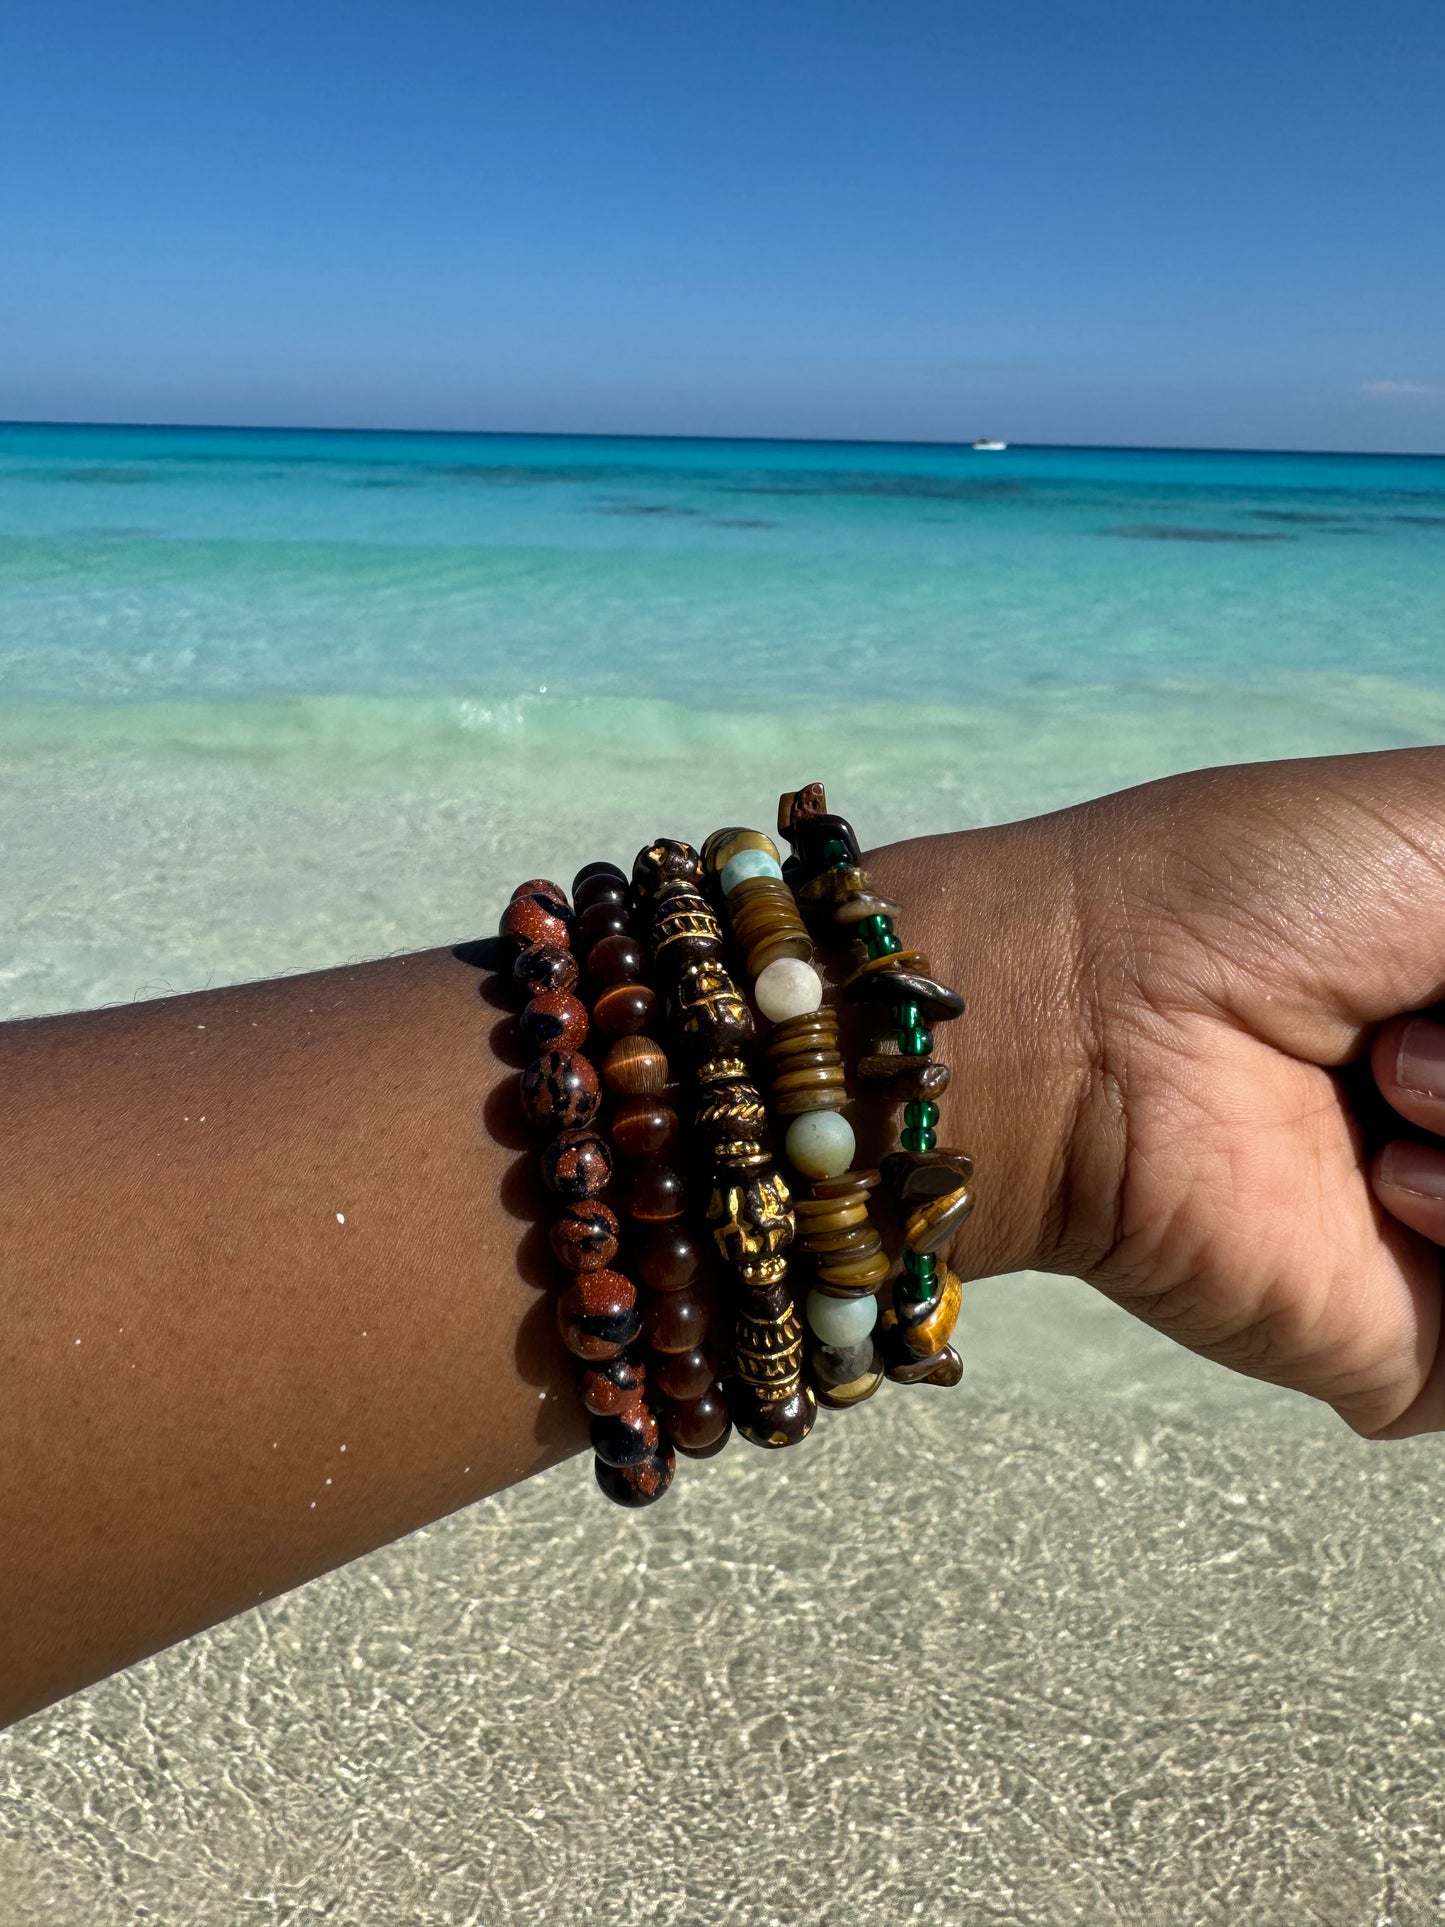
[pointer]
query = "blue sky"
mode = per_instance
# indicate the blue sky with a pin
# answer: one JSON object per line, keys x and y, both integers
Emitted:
{"x": 1157, "y": 223}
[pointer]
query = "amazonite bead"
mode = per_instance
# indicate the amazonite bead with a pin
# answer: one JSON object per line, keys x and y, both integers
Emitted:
{"x": 820, "y": 1144}
{"x": 787, "y": 988}
{"x": 748, "y": 863}
{"x": 842, "y": 1321}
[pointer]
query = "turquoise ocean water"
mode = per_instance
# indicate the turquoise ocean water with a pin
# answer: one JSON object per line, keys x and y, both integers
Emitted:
{"x": 274, "y": 700}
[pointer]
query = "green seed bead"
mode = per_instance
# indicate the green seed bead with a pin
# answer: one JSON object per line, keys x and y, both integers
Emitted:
{"x": 835, "y": 853}
{"x": 921, "y": 1114}
{"x": 922, "y": 1264}
{"x": 918, "y": 1140}
{"x": 914, "y": 1040}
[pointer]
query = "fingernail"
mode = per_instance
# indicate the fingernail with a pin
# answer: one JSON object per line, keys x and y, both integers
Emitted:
{"x": 1420, "y": 1064}
{"x": 1413, "y": 1167}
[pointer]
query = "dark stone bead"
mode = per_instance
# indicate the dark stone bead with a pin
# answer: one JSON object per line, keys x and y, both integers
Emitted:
{"x": 537, "y": 919}
{"x": 602, "y": 920}
{"x": 643, "y": 1128}
{"x": 598, "y": 889}
{"x": 637, "y": 1485}
{"x": 936, "y": 1001}
{"x": 624, "y": 1009}
{"x": 662, "y": 862}
{"x": 584, "y": 1235}
{"x": 560, "y": 1090}
{"x": 656, "y": 1194}
{"x": 685, "y": 930}
{"x": 682, "y": 1375}
{"x": 778, "y": 1422}
{"x": 540, "y": 887}
{"x": 913, "y": 1175}
{"x": 554, "y": 1020}
{"x": 613, "y": 1386}
{"x": 946, "y": 1368}
{"x": 669, "y": 1259}
{"x": 625, "y": 1438}
{"x": 699, "y": 1425}
{"x": 590, "y": 870}
{"x": 578, "y": 1165}
{"x": 904, "y": 1080}
{"x": 545, "y": 966}
{"x": 712, "y": 1014}
{"x": 598, "y": 1314}
{"x": 811, "y": 835}
{"x": 675, "y": 1321}
{"x": 636, "y": 1067}
{"x": 616, "y": 959}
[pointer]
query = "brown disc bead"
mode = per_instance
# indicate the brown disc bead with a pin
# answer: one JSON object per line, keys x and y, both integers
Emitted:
{"x": 540, "y": 887}
{"x": 577, "y": 1165}
{"x": 635, "y": 1067}
{"x": 675, "y": 1321}
{"x": 537, "y": 919}
{"x": 845, "y": 1182}
{"x": 625, "y": 1438}
{"x": 634, "y": 1486}
{"x": 682, "y": 1375}
{"x": 622, "y": 1010}
{"x": 545, "y": 966}
{"x": 615, "y": 960}
{"x": 643, "y": 1128}
{"x": 560, "y": 1091}
{"x": 698, "y": 1424}
{"x": 615, "y": 1385}
{"x": 584, "y": 1235}
{"x": 598, "y": 889}
{"x": 669, "y": 1258}
{"x": 554, "y": 1020}
{"x": 904, "y": 1080}
{"x": 600, "y": 920}
{"x": 936, "y": 1002}
{"x": 598, "y": 1314}
{"x": 657, "y": 1194}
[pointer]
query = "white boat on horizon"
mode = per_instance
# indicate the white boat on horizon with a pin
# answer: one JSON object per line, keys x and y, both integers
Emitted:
{"x": 988, "y": 444}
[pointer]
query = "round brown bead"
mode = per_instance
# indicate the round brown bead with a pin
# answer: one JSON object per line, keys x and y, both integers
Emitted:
{"x": 613, "y": 1386}
{"x": 675, "y": 1321}
{"x": 600, "y": 920}
{"x": 578, "y": 1165}
{"x": 554, "y": 1020}
{"x": 559, "y": 1091}
{"x": 682, "y": 1375}
{"x": 598, "y": 1314}
{"x": 590, "y": 870}
{"x": 545, "y": 966}
{"x": 635, "y": 1067}
{"x": 643, "y": 1128}
{"x": 615, "y": 960}
{"x": 699, "y": 1424}
{"x": 598, "y": 889}
{"x": 662, "y": 862}
{"x": 669, "y": 1259}
{"x": 657, "y": 1194}
{"x": 624, "y": 1009}
{"x": 535, "y": 919}
{"x": 584, "y": 1235}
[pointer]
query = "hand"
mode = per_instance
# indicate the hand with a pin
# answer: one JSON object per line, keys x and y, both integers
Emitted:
{"x": 1174, "y": 983}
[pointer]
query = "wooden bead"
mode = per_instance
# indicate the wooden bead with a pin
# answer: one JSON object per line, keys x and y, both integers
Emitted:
{"x": 675, "y": 1321}
{"x": 577, "y": 1165}
{"x": 537, "y": 919}
{"x": 656, "y": 1194}
{"x": 615, "y": 959}
{"x": 685, "y": 931}
{"x": 635, "y": 1066}
{"x": 625, "y": 1438}
{"x": 669, "y": 1259}
{"x": 682, "y": 1375}
{"x": 904, "y": 1080}
{"x": 634, "y": 1486}
{"x": 912, "y": 1175}
{"x": 661, "y": 862}
{"x": 598, "y": 1314}
{"x": 584, "y": 1235}
{"x": 700, "y": 1424}
{"x": 559, "y": 1091}
{"x": 776, "y": 1423}
{"x": 621, "y": 1010}
{"x": 554, "y": 1020}
{"x": 751, "y": 1216}
{"x": 711, "y": 1013}
{"x": 613, "y": 1386}
{"x": 936, "y": 1221}
{"x": 545, "y": 966}
{"x": 643, "y": 1128}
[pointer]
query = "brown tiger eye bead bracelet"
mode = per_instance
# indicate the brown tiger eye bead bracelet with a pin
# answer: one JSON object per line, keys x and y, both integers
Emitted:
{"x": 749, "y": 1208}
{"x": 833, "y": 1224}
{"x": 930, "y": 1185}
{"x": 599, "y": 1312}
{"x": 643, "y": 1130}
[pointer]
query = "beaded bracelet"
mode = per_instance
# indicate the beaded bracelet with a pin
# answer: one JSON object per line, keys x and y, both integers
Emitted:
{"x": 749, "y": 1208}
{"x": 930, "y": 1185}
{"x": 833, "y": 1222}
{"x": 643, "y": 1129}
{"x": 598, "y": 1312}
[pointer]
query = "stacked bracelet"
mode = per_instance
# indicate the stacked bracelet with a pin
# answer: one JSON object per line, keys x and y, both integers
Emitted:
{"x": 831, "y": 1201}
{"x": 749, "y": 1207}
{"x": 930, "y": 1185}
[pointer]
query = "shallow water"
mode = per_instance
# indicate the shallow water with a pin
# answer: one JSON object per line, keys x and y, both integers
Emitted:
{"x": 1106, "y": 1634}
